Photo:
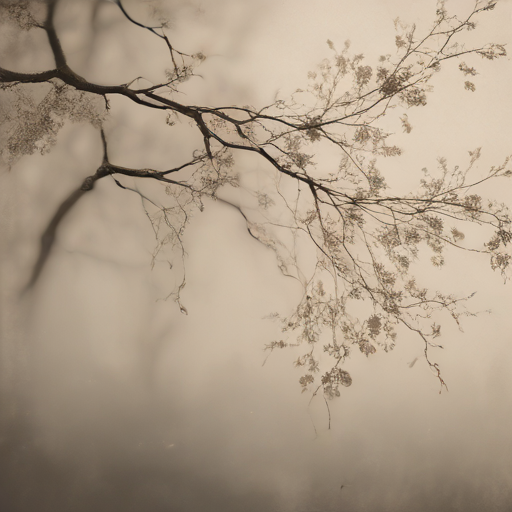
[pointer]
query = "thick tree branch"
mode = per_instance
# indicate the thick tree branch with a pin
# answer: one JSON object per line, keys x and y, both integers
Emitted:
{"x": 49, "y": 235}
{"x": 7, "y": 76}
{"x": 49, "y": 27}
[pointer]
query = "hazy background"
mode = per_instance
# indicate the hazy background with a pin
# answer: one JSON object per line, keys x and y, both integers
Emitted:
{"x": 114, "y": 401}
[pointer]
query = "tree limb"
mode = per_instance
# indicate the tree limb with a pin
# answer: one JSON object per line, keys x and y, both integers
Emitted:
{"x": 49, "y": 235}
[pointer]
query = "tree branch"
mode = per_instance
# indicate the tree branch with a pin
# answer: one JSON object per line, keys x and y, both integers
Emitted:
{"x": 49, "y": 27}
{"x": 49, "y": 235}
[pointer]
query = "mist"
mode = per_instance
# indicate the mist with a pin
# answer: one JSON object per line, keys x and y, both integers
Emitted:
{"x": 112, "y": 399}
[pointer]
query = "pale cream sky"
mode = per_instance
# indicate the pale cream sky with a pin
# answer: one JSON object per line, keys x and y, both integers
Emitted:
{"x": 120, "y": 382}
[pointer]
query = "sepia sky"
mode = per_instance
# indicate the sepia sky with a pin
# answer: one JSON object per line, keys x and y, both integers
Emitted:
{"x": 122, "y": 403}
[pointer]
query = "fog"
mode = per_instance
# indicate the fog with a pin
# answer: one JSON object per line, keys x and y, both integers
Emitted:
{"x": 114, "y": 400}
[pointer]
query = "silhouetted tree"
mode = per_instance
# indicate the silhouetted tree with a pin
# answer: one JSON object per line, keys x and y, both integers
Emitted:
{"x": 365, "y": 235}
